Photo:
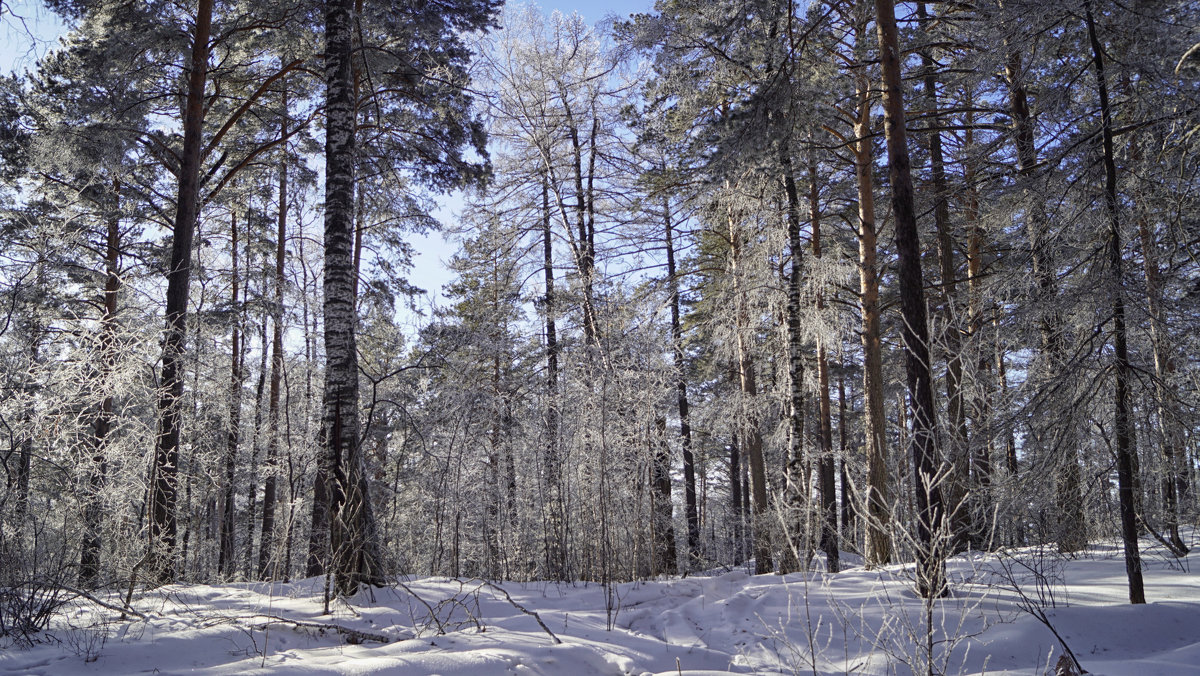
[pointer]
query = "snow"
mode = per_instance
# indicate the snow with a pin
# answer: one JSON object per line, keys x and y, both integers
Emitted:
{"x": 722, "y": 622}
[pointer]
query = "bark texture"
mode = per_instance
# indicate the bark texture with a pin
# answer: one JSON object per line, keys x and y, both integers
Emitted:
{"x": 1122, "y": 369}
{"x": 915, "y": 333}
{"x": 164, "y": 486}
{"x": 355, "y": 556}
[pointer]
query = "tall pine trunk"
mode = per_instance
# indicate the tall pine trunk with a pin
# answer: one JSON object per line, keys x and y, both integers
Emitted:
{"x": 267, "y": 539}
{"x": 1170, "y": 435}
{"x": 753, "y": 437}
{"x": 228, "y": 529}
{"x": 685, "y": 425}
{"x": 798, "y": 547}
{"x": 957, "y": 482}
{"x": 981, "y": 410}
{"x": 555, "y": 497}
{"x": 826, "y": 467}
{"x": 878, "y": 494}
{"x": 164, "y": 486}
{"x": 926, "y": 474}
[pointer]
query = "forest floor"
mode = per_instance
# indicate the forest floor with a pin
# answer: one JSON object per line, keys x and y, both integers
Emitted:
{"x": 723, "y": 622}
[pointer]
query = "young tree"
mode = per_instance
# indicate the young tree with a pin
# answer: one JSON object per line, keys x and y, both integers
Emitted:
{"x": 1121, "y": 419}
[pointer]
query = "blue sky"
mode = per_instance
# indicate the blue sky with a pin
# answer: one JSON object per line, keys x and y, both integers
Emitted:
{"x": 27, "y": 30}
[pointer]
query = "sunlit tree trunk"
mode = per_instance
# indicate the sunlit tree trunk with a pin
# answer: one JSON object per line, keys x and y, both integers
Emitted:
{"x": 878, "y": 494}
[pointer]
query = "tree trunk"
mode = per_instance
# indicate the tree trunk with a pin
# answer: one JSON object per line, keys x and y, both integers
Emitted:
{"x": 228, "y": 530}
{"x": 266, "y": 544}
{"x": 827, "y": 464}
{"x": 585, "y": 249}
{"x": 797, "y": 549}
{"x": 878, "y": 494}
{"x": 317, "y": 560}
{"x": 958, "y": 479}
{"x": 981, "y": 415}
{"x": 317, "y": 557}
{"x": 252, "y": 510}
{"x": 164, "y": 487}
{"x": 556, "y": 533}
{"x": 353, "y": 536}
{"x": 753, "y": 437}
{"x": 491, "y": 477}
{"x": 1122, "y": 369}
{"x": 847, "y": 506}
{"x": 93, "y": 511}
{"x": 1170, "y": 434}
{"x": 931, "y": 565}
{"x": 735, "y": 500}
{"x": 665, "y": 556}
{"x": 685, "y": 426}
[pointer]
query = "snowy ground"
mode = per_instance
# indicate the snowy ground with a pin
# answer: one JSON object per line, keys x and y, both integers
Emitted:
{"x": 857, "y": 621}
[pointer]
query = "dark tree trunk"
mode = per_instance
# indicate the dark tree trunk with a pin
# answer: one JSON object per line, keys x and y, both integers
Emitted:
{"x": 826, "y": 466}
{"x": 585, "y": 223}
{"x": 556, "y": 530}
{"x": 267, "y": 539}
{"x": 1122, "y": 369}
{"x": 843, "y": 449}
{"x": 252, "y": 491}
{"x": 735, "y": 500}
{"x": 685, "y": 425}
{"x": 931, "y": 565}
{"x": 665, "y": 556}
{"x": 228, "y": 531}
{"x": 164, "y": 487}
{"x": 753, "y": 437}
{"x": 318, "y": 536}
